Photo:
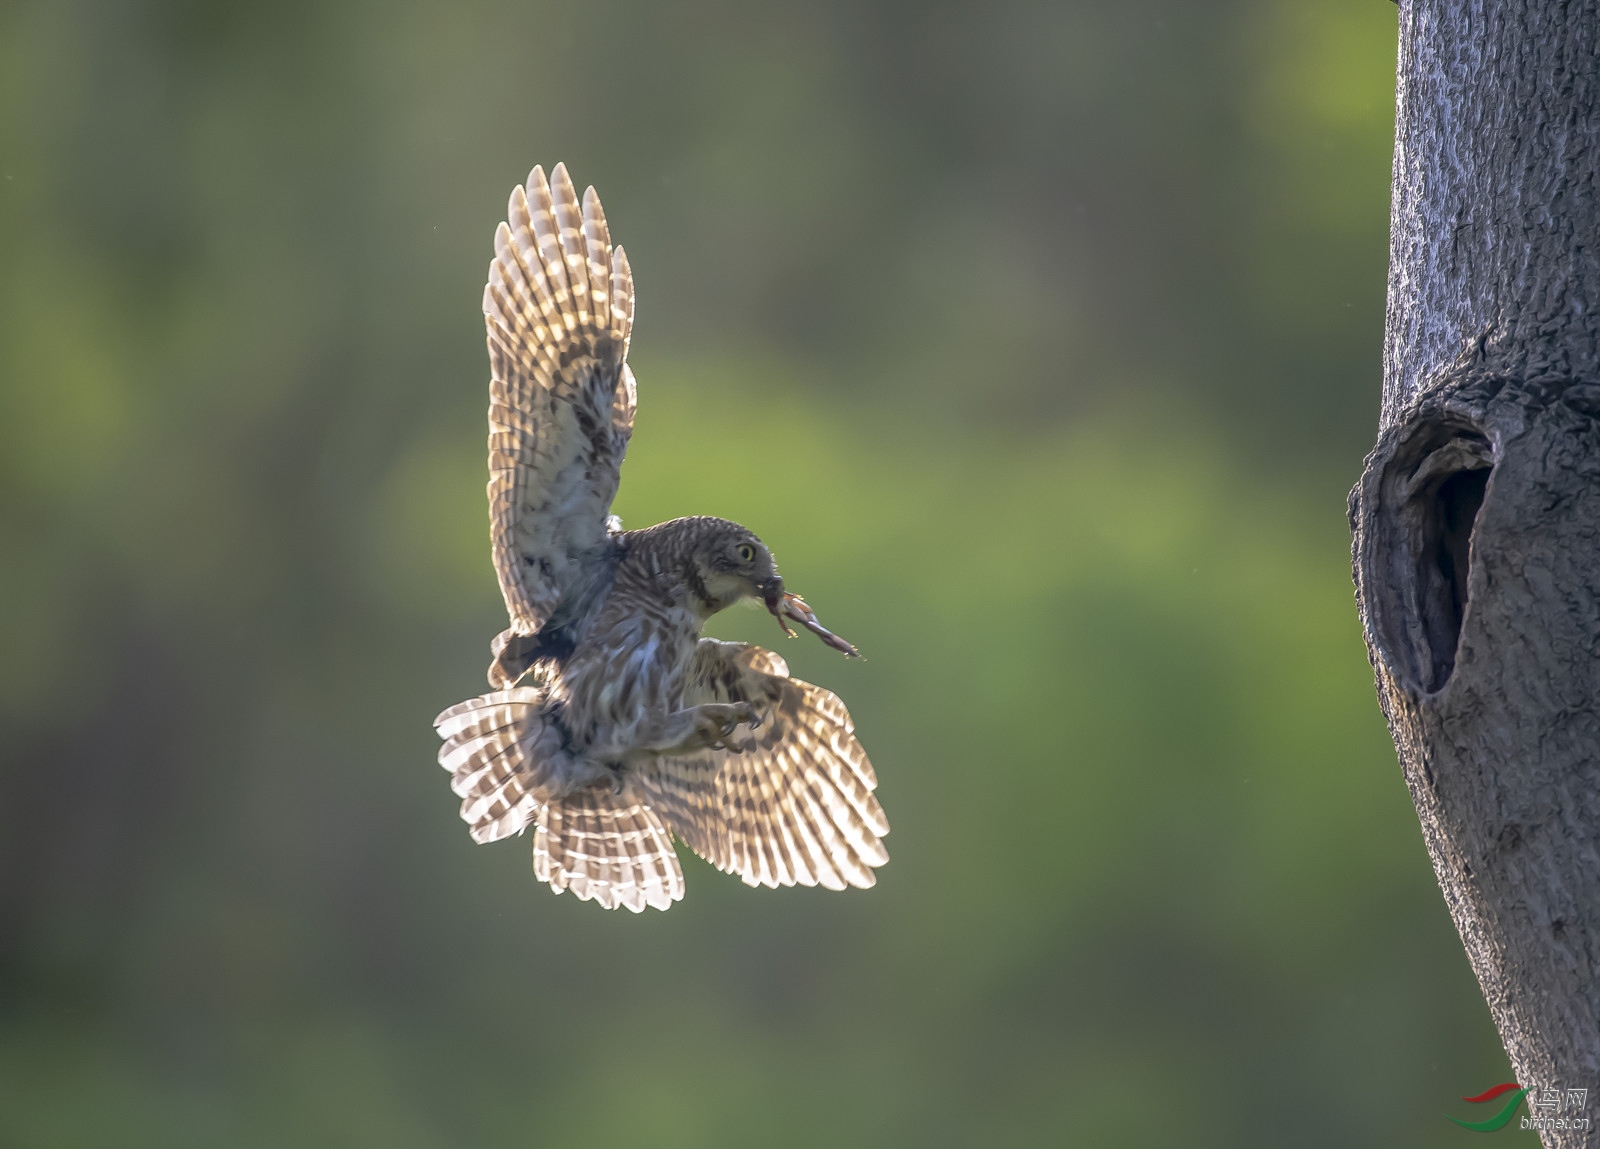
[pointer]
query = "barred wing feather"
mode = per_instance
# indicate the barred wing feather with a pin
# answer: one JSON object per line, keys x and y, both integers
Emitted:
{"x": 558, "y": 308}
{"x": 789, "y": 801}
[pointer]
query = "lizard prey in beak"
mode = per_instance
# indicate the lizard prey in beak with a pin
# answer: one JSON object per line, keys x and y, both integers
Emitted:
{"x": 786, "y": 606}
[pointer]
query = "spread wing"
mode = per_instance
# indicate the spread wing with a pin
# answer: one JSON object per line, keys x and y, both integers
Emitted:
{"x": 790, "y": 801}
{"x": 559, "y": 311}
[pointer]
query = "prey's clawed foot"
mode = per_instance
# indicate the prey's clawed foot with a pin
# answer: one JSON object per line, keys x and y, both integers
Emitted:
{"x": 792, "y": 606}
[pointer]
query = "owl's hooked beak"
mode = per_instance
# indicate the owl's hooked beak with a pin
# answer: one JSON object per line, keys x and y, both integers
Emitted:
{"x": 786, "y": 606}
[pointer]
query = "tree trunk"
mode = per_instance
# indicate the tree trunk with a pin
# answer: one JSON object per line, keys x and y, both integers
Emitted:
{"x": 1477, "y": 516}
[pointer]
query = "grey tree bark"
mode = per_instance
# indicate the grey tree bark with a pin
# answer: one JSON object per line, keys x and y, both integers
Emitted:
{"x": 1476, "y": 520}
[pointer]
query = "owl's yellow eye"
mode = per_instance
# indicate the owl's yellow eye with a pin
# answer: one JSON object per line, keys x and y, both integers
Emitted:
{"x": 746, "y": 552}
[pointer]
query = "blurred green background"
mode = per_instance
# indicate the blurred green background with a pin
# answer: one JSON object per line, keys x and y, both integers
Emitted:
{"x": 1039, "y": 340}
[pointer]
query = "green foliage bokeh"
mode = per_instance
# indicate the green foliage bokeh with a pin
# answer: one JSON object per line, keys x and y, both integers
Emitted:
{"x": 1039, "y": 342}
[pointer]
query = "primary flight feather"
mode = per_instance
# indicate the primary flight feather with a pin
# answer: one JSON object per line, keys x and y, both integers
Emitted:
{"x": 614, "y": 726}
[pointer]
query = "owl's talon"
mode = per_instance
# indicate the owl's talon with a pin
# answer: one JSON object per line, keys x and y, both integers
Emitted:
{"x": 716, "y": 722}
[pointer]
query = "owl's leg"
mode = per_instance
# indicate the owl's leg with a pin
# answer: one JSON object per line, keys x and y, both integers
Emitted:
{"x": 704, "y": 727}
{"x": 715, "y": 722}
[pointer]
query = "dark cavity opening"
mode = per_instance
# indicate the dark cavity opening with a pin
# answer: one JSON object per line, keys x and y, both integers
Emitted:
{"x": 1418, "y": 548}
{"x": 1448, "y": 511}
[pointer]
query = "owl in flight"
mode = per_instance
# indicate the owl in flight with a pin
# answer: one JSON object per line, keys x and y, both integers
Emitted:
{"x": 614, "y": 726}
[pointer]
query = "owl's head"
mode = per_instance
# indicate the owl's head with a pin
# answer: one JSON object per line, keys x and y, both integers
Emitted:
{"x": 730, "y": 564}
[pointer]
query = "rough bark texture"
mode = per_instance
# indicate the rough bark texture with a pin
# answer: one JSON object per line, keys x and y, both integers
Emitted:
{"x": 1477, "y": 518}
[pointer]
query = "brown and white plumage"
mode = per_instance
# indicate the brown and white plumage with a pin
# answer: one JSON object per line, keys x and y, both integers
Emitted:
{"x": 788, "y": 802}
{"x": 559, "y": 311}
{"x": 616, "y": 726}
{"x": 613, "y": 851}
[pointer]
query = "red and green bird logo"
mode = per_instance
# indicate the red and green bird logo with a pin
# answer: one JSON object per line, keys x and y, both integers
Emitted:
{"x": 1500, "y": 1119}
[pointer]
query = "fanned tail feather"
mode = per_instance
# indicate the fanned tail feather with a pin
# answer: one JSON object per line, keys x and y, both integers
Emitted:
{"x": 505, "y": 760}
{"x": 607, "y": 848}
{"x": 509, "y": 765}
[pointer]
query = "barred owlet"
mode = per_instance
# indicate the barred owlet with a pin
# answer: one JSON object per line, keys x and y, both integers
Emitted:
{"x": 614, "y": 726}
